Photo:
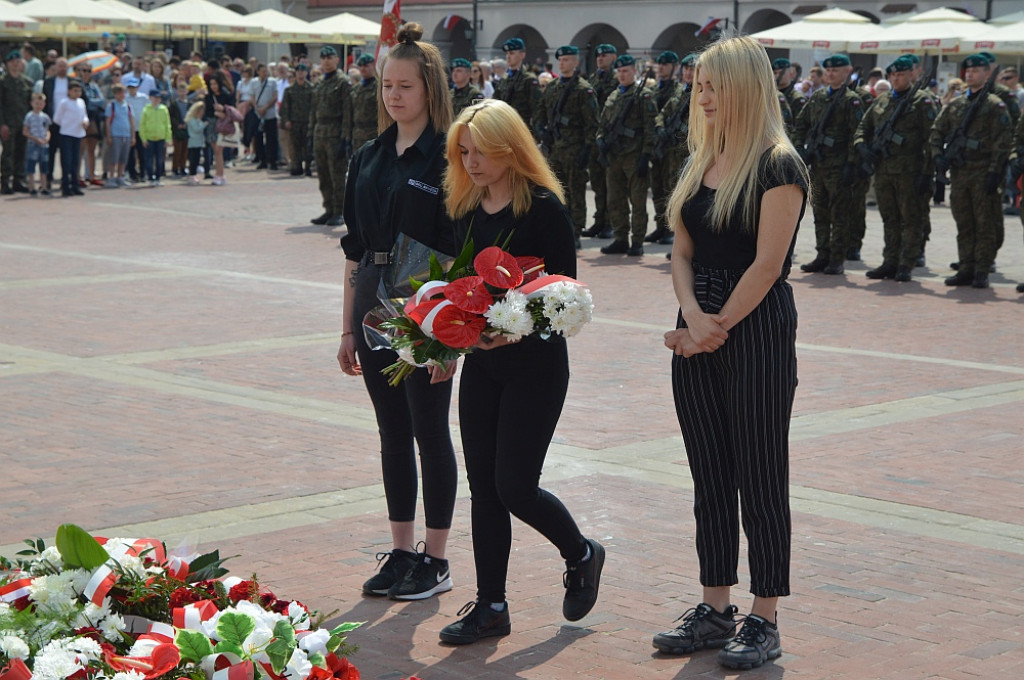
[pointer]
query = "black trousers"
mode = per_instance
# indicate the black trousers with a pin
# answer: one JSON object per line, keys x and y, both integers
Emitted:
{"x": 266, "y": 142}
{"x": 734, "y": 407}
{"x": 414, "y": 411}
{"x": 510, "y": 400}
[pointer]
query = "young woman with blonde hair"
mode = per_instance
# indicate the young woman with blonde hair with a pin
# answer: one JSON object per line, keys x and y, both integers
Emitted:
{"x": 735, "y": 213}
{"x": 395, "y": 186}
{"x": 499, "y": 188}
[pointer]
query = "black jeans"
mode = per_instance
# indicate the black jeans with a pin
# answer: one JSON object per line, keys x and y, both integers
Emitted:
{"x": 510, "y": 400}
{"x": 414, "y": 411}
{"x": 70, "y": 156}
{"x": 266, "y": 143}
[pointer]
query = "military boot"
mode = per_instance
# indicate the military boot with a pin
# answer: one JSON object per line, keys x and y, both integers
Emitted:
{"x": 960, "y": 279}
{"x": 816, "y": 265}
{"x": 886, "y": 271}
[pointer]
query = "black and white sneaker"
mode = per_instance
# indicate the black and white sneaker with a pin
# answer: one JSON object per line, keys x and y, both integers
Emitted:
{"x": 427, "y": 576}
{"x": 702, "y": 628}
{"x": 395, "y": 565}
{"x": 757, "y": 642}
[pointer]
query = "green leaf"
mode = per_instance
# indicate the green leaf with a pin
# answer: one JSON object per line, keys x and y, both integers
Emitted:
{"x": 193, "y": 645}
{"x": 436, "y": 271}
{"x": 462, "y": 260}
{"x": 416, "y": 284}
{"x": 229, "y": 648}
{"x": 279, "y": 652}
{"x": 283, "y": 631}
{"x": 233, "y": 628}
{"x": 346, "y": 627}
{"x": 333, "y": 642}
{"x": 318, "y": 659}
{"x": 207, "y": 567}
{"x": 79, "y": 549}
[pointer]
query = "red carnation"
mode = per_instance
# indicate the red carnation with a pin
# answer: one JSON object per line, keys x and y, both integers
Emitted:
{"x": 498, "y": 268}
{"x": 183, "y": 596}
{"x": 469, "y": 294}
{"x": 457, "y": 328}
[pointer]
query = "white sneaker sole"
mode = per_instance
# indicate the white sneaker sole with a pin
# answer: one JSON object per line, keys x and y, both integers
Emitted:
{"x": 442, "y": 587}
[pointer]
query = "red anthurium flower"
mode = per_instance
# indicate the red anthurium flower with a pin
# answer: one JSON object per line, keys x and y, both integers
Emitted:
{"x": 161, "y": 661}
{"x": 469, "y": 294}
{"x": 15, "y": 670}
{"x": 498, "y": 268}
{"x": 457, "y": 328}
{"x": 531, "y": 266}
{"x": 342, "y": 667}
{"x": 420, "y": 311}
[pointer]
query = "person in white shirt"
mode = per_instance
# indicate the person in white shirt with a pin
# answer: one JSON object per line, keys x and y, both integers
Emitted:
{"x": 72, "y": 122}
{"x": 264, "y": 90}
{"x": 283, "y": 75}
{"x": 250, "y": 121}
{"x": 146, "y": 81}
{"x": 55, "y": 88}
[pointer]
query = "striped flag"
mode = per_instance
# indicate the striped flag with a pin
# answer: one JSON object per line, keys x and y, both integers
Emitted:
{"x": 389, "y": 28}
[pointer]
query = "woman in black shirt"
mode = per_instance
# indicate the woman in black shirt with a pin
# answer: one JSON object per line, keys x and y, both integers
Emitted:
{"x": 220, "y": 96}
{"x": 735, "y": 213}
{"x": 395, "y": 186}
{"x": 499, "y": 186}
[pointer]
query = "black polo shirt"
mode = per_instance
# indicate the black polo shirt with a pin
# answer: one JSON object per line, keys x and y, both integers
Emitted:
{"x": 387, "y": 194}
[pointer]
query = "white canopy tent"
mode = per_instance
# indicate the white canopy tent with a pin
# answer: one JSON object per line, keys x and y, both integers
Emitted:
{"x": 74, "y": 18}
{"x": 935, "y": 31}
{"x": 284, "y": 28}
{"x": 205, "y": 19}
{"x": 141, "y": 24}
{"x": 832, "y": 29}
{"x": 1003, "y": 39}
{"x": 15, "y": 22}
{"x": 349, "y": 29}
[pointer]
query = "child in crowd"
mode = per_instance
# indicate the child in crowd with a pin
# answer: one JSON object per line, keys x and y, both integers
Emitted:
{"x": 120, "y": 136}
{"x": 36, "y": 130}
{"x": 155, "y": 132}
{"x": 72, "y": 121}
{"x": 179, "y": 130}
{"x": 196, "y": 139}
{"x": 136, "y": 102}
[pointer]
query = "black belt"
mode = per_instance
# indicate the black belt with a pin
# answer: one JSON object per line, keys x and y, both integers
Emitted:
{"x": 377, "y": 257}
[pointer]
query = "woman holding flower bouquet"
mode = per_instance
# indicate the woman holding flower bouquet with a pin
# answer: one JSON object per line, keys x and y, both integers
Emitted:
{"x": 735, "y": 213}
{"x": 499, "y": 188}
{"x": 394, "y": 186}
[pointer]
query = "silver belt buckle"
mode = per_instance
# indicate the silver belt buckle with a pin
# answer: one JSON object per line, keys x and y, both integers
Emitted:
{"x": 381, "y": 258}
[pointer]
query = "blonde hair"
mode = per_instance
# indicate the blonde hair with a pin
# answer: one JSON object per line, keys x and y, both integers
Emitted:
{"x": 195, "y": 111}
{"x": 500, "y": 134}
{"x": 748, "y": 119}
{"x": 432, "y": 73}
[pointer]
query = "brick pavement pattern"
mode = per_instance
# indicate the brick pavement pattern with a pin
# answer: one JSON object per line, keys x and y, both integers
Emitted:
{"x": 167, "y": 369}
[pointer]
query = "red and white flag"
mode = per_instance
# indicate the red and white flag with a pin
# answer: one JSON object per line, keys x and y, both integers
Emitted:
{"x": 711, "y": 25}
{"x": 389, "y": 28}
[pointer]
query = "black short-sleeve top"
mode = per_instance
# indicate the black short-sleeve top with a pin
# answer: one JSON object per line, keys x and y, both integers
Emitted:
{"x": 388, "y": 194}
{"x": 734, "y": 246}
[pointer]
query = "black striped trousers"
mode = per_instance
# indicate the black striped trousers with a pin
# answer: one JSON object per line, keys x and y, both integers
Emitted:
{"x": 734, "y": 407}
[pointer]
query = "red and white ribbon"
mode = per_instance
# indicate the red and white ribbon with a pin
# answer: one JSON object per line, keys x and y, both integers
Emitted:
{"x": 429, "y": 290}
{"x": 160, "y": 632}
{"x": 238, "y": 671}
{"x": 103, "y": 579}
{"x": 191, "y": 616}
{"x": 427, "y": 326}
{"x": 137, "y": 546}
{"x": 536, "y": 287}
{"x": 15, "y": 590}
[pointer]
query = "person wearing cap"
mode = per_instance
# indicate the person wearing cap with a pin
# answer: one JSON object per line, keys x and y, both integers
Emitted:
{"x": 566, "y": 121}
{"x": 672, "y": 126}
{"x": 330, "y": 123}
{"x": 294, "y": 114}
{"x": 464, "y": 93}
{"x": 663, "y": 174}
{"x": 791, "y": 99}
{"x": 917, "y": 74}
{"x": 364, "y": 102}
{"x": 604, "y": 83}
{"x": 15, "y": 103}
{"x": 520, "y": 87}
{"x": 136, "y": 103}
{"x": 625, "y": 142}
{"x": 823, "y": 136}
{"x": 974, "y": 156}
{"x": 902, "y": 167}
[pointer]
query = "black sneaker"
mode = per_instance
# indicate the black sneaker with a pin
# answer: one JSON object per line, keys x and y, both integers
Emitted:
{"x": 582, "y": 580}
{"x": 616, "y": 248}
{"x": 395, "y": 564}
{"x": 757, "y": 642}
{"x": 427, "y": 576}
{"x": 702, "y": 628}
{"x": 480, "y": 621}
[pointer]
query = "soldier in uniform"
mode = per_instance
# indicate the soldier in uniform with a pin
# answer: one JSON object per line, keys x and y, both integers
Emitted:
{"x": 795, "y": 99}
{"x": 364, "y": 103}
{"x": 625, "y": 142}
{"x": 566, "y": 122}
{"x": 1016, "y": 165}
{"x": 330, "y": 121}
{"x": 464, "y": 94}
{"x": 520, "y": 87}
{"x": 824, "y": 136}
{"x": 604, "y": 83}
{"x": 15, "y": 102}
{"x": 916, "y": 73}
{"x": 663, "y": 173}
{"x": 975, "y": 154}
{"x": 902, "y": 167}
{"x": 294, "y": 114}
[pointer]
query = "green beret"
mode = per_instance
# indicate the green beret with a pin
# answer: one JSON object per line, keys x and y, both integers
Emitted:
{"x": 364, "y": 59}
{"x": 625, "y": 60}
{"x": 780, "y": 64}
{"x": 988, "y": 55}
{"x": 975, "y": 60}
{"x": 12, "y": 55}
{"x": 513, "y": 44}
{"x": 689, "y": 60}
{"x": 301, "y": 67}
{"x": 898, "y": 65}
{"x": 459, "y": 62}
{"x": 836, "y": 60}
{"x": 668, "y": 57}
{"x": 328, "y": 51}
{"x": 605, "y": 48}
{"x": 567, "y": 51}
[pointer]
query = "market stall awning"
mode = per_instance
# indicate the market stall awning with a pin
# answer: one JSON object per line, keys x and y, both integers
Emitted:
{"x": 202, "y": 18}
{"x": 832, "y": 29}
{"x": 141, "y": 25}
{"x": 934, "y": 31}
{"x": 1004, "y": 39}
{"x": 64, "y": 18}
{"x": 348, "y": 28}
{"x": 15, "y": 22}
{"x": 284, "y": 28}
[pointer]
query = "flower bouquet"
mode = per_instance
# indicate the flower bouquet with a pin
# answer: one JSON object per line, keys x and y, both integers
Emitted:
{"x": 124, "y": 609}
{"x": 493, "y": 293}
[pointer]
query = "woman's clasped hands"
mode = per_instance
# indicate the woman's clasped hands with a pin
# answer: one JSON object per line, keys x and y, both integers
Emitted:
{"x": 704, "y": 333}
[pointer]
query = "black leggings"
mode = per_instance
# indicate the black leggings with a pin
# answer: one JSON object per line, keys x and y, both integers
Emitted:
{"x": 509, "y": 403}
{"x": 415, "y": 410}
{"x": 734, "y": 407}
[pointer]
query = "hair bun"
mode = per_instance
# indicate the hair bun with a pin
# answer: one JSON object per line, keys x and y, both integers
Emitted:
{"x": 410, "y": 32}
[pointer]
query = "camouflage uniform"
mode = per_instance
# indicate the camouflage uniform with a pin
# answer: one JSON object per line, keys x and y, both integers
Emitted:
{"x": 15, "y": 102}
{"x": 521, "y": 90}
{"x": 295, "y": 109}
{"x": 663, "y": 172}
{"x": 466, "y": 97}
{"x": 1016, "y": 162}
{"x": 604, "y": 84}
{"x": 628, "y": 153}
{"x": 861, "y": 185}
{"x": 364, "y": 113}
{"x": 902, "y": 166}
{"x": 330, "y": 119}
{"x": 795, "y": 98}
{"x": 976, "y": 181}
{"x": 571, "y": 128}
{"x": 831, "y": 161}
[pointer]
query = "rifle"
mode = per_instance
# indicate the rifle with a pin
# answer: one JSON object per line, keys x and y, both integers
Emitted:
{"x": 957, "y": 141}
{"x": 618, "y": 127}
{"x": 550, "y": 133}
{"x": 886, "y": 135}
{"x": 678, "y": 123}
{"x": 817, "y": 138}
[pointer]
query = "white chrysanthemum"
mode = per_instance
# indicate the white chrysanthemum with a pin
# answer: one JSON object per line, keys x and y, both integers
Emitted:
{"x": 5, "y": 609}
{"x": 54, "y": 663}
{"x": 111, "y": 627}
{"x": 52, "y": 595}
{"x": 14, "y": 647}
{"x": 511, "y": 316}
{"x": 127, "y": 675}
{"x": 87, "y": 648}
